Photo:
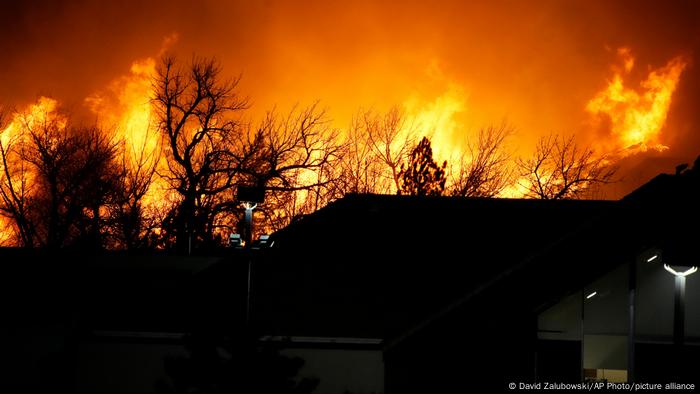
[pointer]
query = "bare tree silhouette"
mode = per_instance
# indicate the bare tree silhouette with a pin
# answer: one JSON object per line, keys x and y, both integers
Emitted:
{"x": 392, "y": 140}
{"x": 560, "y": 169}
{"x": 202, "y": 145}
{"x": 375, "y": 147}
{"x": 485, "y": 170}
{"x": 57, "y": 180}
{"x": 132, "y": 224}
{"x": 361, "y": 170}
{"x": 15, "y": 186}
{"x": 294, "y": 159}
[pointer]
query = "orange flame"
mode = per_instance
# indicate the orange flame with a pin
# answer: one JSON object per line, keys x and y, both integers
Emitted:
{"x": 637, "y": 117}
{"x": 43, "y": 111}
{"x": 437, "y": 120}
{"x": 125, "y": 106}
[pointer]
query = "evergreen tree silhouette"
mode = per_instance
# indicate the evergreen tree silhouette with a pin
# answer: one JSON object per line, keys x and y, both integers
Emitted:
{"x": 422, "y": 176}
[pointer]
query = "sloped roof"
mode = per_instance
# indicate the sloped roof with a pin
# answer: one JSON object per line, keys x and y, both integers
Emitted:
{"x": 373, "y": 265}
{"x": 664, "y": 213}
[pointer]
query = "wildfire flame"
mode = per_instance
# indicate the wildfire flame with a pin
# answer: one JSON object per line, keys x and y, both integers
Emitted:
{"x": 125, "y": 107}
{"x": 437, "y": 119}
{"x": 636, "y": 117}
{"x": 43, "y": 111}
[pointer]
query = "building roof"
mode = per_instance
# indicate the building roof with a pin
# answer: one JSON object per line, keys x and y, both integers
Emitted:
{"x": 661, "y": 214}
{"x": 374, "y": 265}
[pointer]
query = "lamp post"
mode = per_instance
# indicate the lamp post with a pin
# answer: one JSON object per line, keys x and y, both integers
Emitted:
{"x": 250, "y": 197}
{"x": 249, "y": 207}
{"x": 680, "y": 272}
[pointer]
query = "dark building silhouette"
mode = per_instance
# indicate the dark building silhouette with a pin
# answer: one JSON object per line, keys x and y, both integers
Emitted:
{"x": 467, "y": 293}
{"x": 386, "y": 294}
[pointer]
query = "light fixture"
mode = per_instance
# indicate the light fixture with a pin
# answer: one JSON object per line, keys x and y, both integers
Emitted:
{"x": 680, "y": 272}
{"x": 591, "y": 295}
{"x": 235, "y": 241}
{"x": 683, "y": 274}
{"x": 652, "y": 258}
{"x": 262, "y": 242}
{"x": 249, "y": 205}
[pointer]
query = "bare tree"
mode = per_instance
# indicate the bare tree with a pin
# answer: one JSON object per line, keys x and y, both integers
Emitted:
{"x": 97, "y": 184}
{"x": 487, "y": 170}
{"x": 376, "y": 145}
{"x": 361, "y": 169}
{"x": 202, "y": 140}
{"x": 293, "y": 149}
{"x": 208, "y": 153}
{"x": 15, "y": 185}
{"x": 131, "y": 221}
{"x": 560, "y": 169}
{"x": 367, "y": 159}
{"x": 294, "y": 159}
{"x": 56, "y": 182}
{"x": 392, "y": 140}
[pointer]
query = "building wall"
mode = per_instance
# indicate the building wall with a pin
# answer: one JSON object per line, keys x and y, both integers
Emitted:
{"x": 123, "y": 368}
{"x": 126, "y": 368}
{"x": 342, "y": 371}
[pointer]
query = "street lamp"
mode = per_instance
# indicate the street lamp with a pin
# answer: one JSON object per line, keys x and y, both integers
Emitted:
{"x": 683, "y": 274}
{"x": 680, "y": 272}
{"x": 250, "y": 197}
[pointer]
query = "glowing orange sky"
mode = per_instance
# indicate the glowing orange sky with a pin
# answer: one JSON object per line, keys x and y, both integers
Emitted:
{"x": 535, "y": 64}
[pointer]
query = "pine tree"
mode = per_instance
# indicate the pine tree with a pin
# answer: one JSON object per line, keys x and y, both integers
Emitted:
{"x": 422, "y": 176}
